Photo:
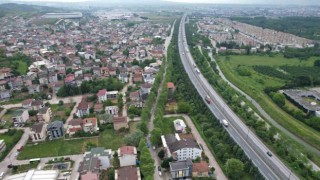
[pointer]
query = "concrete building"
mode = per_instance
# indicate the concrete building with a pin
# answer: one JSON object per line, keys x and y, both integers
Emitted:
{"x": 113, "y": 110}
{"x": 200, "y": 169}
{"x": 20, "y": 116}
{"x": 181, "y": 149}
{"x": 35, "y": 174}
{"x": 38, "y": 132}
{"x": 44, "y": 114}
{"x": 127, "y": 156}
{"x": 181, "y": 169}
{"x": 120, "y": 122}
{"x": 55, "y": 130}
{"x": 90, "y": 125}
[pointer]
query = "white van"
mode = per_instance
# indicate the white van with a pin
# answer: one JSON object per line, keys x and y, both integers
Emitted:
{"x": 225, "y": 123}
{"x": 1, "y": 175}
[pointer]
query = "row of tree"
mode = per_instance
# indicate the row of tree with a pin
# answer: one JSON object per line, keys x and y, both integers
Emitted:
{"x": 92, "y": 86}
{"x": 283, "y": 145}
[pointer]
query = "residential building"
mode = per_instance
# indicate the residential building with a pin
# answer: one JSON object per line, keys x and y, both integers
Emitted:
{"x": 102, "y": 95}
{"x": 127, "y": 156}
{"x": 27, "y": 103}
{"x": 128, "y": 172}
{"x": 38, "y": 132}
{"x": 120, "y": 122}
{"x": 200, "y": 169}
{"x": 34, "y": 88}
{"x": 74, "y": 125}
{"x": 90, "y": 125}
{"x": 123, "y": 77}
{"x": 181, "y": 169}
{"x": 2, "y": 145}
{"x": 5, "y": 94}
{"x": 112, "y": 94}
{"x": 20, "y": 116}
{"x": 179, "y": 126}
{"x": 37, "y": 105}
{"x": 145, "y": 88}
{"x": 55, "y": 130}
{"x": 171, "y": 88}
{"x": 113, "y": 110}
{"x": 95, "y": 160}
{"x": 181, "y": 149}
{"x": 83, "y": 108}
{"x": 44, "y": 114}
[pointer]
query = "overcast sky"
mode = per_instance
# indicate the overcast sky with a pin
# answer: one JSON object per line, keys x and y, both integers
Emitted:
{"x": 282, "y": 2}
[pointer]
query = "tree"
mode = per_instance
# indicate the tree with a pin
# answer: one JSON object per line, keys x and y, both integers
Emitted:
{"x": 32, "y": 112}
{"x": 133, "y": 139}
{"x": 161, "y": 154}
{"x": 143, "y": 127}
{"x": 61, "y": 103}
{"x": 126, "y": 52}
{"x": 115, "y": 160}
{"x": 156, "y": 136}
{"x": 165, "y": 163}
{"x": 316, "y": 63}
{"x": 234, "y": 168}
{"x": 111, "y": 174}
{"x": 279, "y": 99}
{"x": 183, "y": 107}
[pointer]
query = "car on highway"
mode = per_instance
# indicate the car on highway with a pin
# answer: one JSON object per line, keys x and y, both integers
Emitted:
{"x": 225, "y": 123}
{"x": 269, "y": 153}
{"x": 207, "y": 99}
{"x": 1, "y": 175}
{"x": 197, "y": 70}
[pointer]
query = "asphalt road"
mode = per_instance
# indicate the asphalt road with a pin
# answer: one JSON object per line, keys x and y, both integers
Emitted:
{"x": 270, "y": 167}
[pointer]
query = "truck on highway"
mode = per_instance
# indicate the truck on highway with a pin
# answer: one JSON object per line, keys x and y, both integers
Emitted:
{"x": 197, "y": 70}
{"x": 225, "y": 123}
{"x": 208, "y": 99}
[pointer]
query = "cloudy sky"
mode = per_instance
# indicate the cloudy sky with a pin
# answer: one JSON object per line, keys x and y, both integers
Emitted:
{"x": 283, "y": 2}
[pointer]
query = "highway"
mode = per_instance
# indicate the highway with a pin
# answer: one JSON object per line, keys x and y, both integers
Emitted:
{"x": 270, "y": 167}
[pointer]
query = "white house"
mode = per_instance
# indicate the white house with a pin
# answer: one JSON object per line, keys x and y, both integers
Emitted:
{"x": 113, "y": 110}
{"x": 20, "y": 116}
{"x": 181, "y": 149}
{"x": 102, "y": 95}
{"x": 127, "y": 155}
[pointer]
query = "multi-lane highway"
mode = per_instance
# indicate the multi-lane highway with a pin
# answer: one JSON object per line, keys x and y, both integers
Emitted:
{"x": 270, "y": 166}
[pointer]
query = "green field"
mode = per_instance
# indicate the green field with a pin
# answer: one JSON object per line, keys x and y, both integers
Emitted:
{"x": 107, "y": 139}
{"x": 254, "y": 85}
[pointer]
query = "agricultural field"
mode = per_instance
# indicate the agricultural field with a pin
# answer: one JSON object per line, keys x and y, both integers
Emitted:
{"x": 240, "y": 70}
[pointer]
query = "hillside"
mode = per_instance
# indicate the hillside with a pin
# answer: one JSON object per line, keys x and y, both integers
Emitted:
{"x": 23, "y": 9}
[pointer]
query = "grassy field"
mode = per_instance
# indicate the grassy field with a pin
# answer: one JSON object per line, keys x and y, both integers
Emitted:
{"x": 107, "y": 139}
{"x": 110, "y": 140}
{"x": 23, "y": 67}
{"x": 253, "y": 85}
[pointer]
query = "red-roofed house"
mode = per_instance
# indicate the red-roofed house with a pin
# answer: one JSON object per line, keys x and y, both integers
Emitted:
{"x": 69, "y": 79}
{"x": 89, "y": 176}
{"x": 27, "y": 103}
{"x": 74, "y": 125}
{"x": 127, "y": 155}
{"x": 102, "y": 95}
{"x": 90, "y": 125}
{"x": 200, "y": 169}
{"x": 125, "y": 173}
{"x": 83, "y": 108}
{"x": 171, "y": 88}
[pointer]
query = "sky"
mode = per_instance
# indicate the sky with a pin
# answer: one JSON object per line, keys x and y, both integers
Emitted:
{"x": 282, "y": 2}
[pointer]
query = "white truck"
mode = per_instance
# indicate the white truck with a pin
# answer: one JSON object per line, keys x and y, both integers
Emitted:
{"x": 225, "y": 123}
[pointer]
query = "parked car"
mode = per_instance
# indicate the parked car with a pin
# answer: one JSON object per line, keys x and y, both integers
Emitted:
{"x": 159, "y": 170}
{"x": 20, "y": 148}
